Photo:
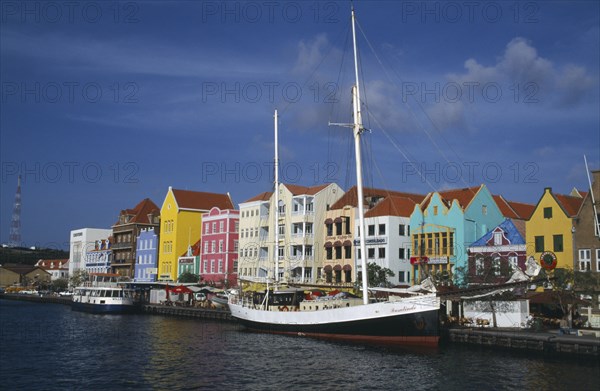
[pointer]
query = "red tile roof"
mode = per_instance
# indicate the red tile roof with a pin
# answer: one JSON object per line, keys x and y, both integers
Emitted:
{"x": 199, "y": 200}
{"x": 514, "y": 210}
{"x": 351, "y": 196}
{"x": 139, "y": 214}
{"x": 51, "y": 264}
{"x": 195, "y": 249}
{"x": 261, "y": 197}
{"x": 393, "y": 206}
{"x": 570, "y": 204}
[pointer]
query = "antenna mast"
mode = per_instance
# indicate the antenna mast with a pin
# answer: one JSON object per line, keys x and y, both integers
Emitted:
{"x": 15, "y": 224}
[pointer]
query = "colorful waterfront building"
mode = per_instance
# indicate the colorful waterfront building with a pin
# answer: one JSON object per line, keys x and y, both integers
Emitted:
{"x": 299, "y": 219}
{"x": 219, "y": 255}
{"x": 587, "y": 230}
{"x": 389, "y": 233}
{"x": 181, "y": 222}
{"x": 551, "y": 228}
{"x": 99, "y": 259}
{"x": 146, "y": 263}
{"x": 444, "y": 225}
{"x": 126, "y": 231}
{"x": 189, "y": 262}
{"x": 497, "y": 254}
{"x": 84, "y": 240}
{"x": 58, "y": 268}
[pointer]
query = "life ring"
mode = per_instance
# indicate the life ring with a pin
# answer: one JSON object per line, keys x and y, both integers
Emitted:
{"x": 284, "y": 308}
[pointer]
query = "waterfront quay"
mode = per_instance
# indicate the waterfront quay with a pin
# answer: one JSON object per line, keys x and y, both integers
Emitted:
{"x": 582, "y": 343}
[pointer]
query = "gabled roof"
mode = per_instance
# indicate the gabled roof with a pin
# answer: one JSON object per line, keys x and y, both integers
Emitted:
{"x": 195, "y": 249}
{"x": 464, "y": 196}
{"x": 22, "y": 268}
{"x": 514, "y": 210}
{"x": 52, "y": 264}
{"x": 266, "y": 196}
{"x": 198, "y": 200}
{"x": 510, "y": 232}
{"x": 570, "y": 204}
{"x": 139, "y": 214}
{"x": 351, "y": 196}
{"x": 392, "y": 206}
{"x": 304, "y": 190}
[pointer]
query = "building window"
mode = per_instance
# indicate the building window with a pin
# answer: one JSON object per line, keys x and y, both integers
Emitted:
{"x": 220, "y": 246}
{"x": 212, "y": 266}
{"x": 329, "y": 229}
{"x": 513, "y": 262}
{"x": 435, "y": 210}
{"x": 479, "y": 266}
{"x": 338, "y": 228}
{"x": 213, "y": 246}
{"x": 329, "y": 252}
{"x": 205, "y": 267}
{"x": 237, "y": 227}
{"x": 281, "y": 229}
{"x": 496, "y": 266}
{"x": 235, "y": 246}
{"x": 347, "y": 252}
{"x": 539, "y": 244}
{"x": 401, "y": 230}
{"x": 497, "y": 238}
{"x": 206, "y": 226}
{"x": 220, "y": 266}
{"x": 401, "y": 253}
{"x": 338, "y": 253}
{"x": 585, "y": 260}
{"x": 214, "y": 227}
{"x": 484, "y": 210}
{"x": 548, "y": 213}
{"x": 371, "y": 253}
{"x": 371, "y": 231}
{"x": 598, "y": 259}
{"x": 221, "y": 226}
{"x": 381, "y": 252}
{"x": 558, "y": 243}
{"x": 381, "y": 229}
{"x": 400, "y": 276}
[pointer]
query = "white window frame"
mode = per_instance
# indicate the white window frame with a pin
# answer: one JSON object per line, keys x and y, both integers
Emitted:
{"x": 585, "y": 259}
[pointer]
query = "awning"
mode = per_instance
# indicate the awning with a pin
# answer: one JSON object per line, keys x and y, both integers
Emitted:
{"x": 328, "y": 245}
{"x": 327, "y": 269}
{"x": 347, "y": 268}
{"x": 337, "y": 220}
{"x": 417, "y": 260}
{"x": 347, "y": 243}
{"x": 180, "y": 289}
{"x": 328, "y": 221}
{"x": 337, "y": 268}
{"x": 337, "y": 244}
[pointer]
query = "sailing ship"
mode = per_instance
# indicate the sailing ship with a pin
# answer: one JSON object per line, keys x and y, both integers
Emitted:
{"x": 405, "y": 320}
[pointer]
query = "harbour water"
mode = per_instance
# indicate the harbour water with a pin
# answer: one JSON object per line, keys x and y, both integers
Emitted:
{"x": 49, "y": 347}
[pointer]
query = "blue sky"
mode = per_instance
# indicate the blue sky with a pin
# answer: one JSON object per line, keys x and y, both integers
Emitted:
{"x": 104, "y": 103}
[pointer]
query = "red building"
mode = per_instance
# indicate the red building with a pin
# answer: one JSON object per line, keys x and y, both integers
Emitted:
{"x": 219, "y": 253}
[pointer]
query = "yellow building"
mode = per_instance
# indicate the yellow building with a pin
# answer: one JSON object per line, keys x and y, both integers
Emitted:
{"x": 181, "y": 222}
{"x": 549, "y": 230}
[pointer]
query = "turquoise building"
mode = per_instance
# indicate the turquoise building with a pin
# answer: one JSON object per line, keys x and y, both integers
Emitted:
{"x": 444, "y": 225}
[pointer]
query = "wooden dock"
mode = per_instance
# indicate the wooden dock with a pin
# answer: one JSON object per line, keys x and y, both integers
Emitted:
{"x": 546, "y": 342}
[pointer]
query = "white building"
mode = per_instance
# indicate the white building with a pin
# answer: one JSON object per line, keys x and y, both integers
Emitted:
{"x": 58, "y": 268}
{"x": 300, "y": 217}
{"x": 387, "y": 238}
{"x": 82, "y": 241}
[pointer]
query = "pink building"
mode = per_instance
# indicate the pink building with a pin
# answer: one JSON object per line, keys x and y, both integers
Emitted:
{"x": 219, "y": 253}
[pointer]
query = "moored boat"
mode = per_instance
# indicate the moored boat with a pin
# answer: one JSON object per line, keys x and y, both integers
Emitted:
{"x": 411, "y": 319}
{"x": 103, "y": 296}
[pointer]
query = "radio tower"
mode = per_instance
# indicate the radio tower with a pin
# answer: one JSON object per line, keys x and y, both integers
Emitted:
{"x": 15, "y": 224}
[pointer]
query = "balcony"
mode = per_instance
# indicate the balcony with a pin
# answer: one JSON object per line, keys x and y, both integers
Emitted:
{"x": 122, "y": 245}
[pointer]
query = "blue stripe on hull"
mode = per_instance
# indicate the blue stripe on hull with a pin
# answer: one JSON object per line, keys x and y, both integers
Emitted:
{"x": 103, "y": 308}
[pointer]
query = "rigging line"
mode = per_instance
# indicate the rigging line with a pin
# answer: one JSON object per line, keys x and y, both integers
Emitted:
{"x": 312, "y": 73}
{"x": 404, "y": 154}
{"x": 412, "y": 112}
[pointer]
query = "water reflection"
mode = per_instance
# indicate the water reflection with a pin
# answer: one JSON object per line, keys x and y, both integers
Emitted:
{"x": 74, "y": 350}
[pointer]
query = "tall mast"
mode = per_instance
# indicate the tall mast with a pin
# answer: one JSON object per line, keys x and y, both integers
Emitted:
{"x": 358, "y": 129}
{"x": 596, "y": 222}
{"x": 276, "y": 191}
{"x": 15, "y": 223}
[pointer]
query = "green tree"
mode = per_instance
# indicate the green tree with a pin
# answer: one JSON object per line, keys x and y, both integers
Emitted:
{"x": 60, "y": 284}
{"x": 377, "y": 275}
{"x": 79, "y": 277}
{"x": 187, "y": 277}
